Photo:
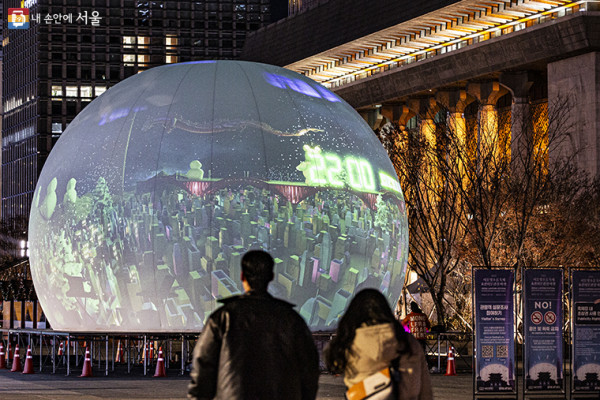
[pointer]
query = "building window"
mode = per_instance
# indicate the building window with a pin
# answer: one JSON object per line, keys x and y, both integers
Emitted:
{"x": 86, "y": 91}
{"x": 57, "y": 127}
{"x": 56, "y": 91}
{"x": 99, "y": 90}
{"x": 171, "y": 59}
{"x": 143, "y": 60}
{"x": 143, "y": 42}
{"x": 171, "y": 42}
{"x": 56, "y": 107}
{"x": 129, "y": 59}
{"x": 128, "y": 42}
{"x": 71, "y": 91}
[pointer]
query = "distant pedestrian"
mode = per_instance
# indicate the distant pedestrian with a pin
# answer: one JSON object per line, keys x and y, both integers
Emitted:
{"x": 368, "y": 338}
{"x": 255, "y": 347}
{"x": 418, "y": 324}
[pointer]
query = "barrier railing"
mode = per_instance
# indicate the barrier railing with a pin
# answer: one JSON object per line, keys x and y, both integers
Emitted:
{"x": 438, "y": 345}
{"x": 130, "y": 352}
{"x": 134, "y": 350}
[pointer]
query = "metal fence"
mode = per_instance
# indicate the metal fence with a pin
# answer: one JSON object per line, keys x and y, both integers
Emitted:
{"x": 438, "y": 345}
{"x": 63, "y": 352}
{"x": 137, "y": 353}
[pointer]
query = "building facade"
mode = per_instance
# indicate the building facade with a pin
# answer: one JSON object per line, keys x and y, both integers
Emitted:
{"x": 74, "y": 50}
{"x": 403, "y": 61}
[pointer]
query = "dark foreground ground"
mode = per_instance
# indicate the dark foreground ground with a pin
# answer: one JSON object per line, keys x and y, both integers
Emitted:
{"x": 15, "y": 386}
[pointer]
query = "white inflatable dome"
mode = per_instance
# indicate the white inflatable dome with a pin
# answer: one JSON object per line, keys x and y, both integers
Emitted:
{"x": 154, "y": 192}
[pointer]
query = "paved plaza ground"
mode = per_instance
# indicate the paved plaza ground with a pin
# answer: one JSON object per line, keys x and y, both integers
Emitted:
{"x": 16, "y": 386}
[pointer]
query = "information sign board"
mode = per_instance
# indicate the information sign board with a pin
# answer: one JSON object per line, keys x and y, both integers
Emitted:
{"x": 494, "y": 333}
{"x": 543, "y": 330}
{"x": 585, "y": 306}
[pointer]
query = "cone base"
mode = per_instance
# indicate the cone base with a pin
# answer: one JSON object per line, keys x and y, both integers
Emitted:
{"x": 450, "y": 370}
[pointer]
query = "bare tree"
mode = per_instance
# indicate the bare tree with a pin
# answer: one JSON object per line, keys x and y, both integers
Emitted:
{"x": 435, "y": 213}
{"x": 535, "y": 180}
{"x": 492, "y": 195}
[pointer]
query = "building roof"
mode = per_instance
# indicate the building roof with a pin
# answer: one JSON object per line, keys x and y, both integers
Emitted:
{"x": 332, "y": 23}
{"x": 335, "y": 44}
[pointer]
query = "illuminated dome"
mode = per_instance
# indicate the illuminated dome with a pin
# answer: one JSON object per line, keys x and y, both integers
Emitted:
{"x": 154, "y": 192}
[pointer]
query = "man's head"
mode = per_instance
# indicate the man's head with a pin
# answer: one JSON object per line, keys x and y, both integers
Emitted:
{"x": 257, "y": 269}
{"x": 414, "y": 307}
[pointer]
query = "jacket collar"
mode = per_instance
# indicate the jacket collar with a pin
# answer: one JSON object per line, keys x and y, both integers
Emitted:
{"x": 253, "y": 294}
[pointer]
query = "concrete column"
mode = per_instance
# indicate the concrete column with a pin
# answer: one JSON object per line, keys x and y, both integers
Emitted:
{"x": 458, "y": 124}
{"x": 520, "y": 115}
{"x": 488, "y": 94}
{"x": 455, "y": 102}
{"x": 574, "y": 105}
{"x": 397, "y": 113}
{"x": 488, "y": 126}
{"x": 519, "y": 84}
{"x": 372, "y": 117}
{"x": 427, "y": 130}
{"x": 426, "y": 108}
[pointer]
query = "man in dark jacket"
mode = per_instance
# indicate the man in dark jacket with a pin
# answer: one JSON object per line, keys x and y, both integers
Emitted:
{"x": 255, "y": 346}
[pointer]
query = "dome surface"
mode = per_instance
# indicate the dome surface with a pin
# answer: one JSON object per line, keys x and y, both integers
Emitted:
{"x": 154, "y": 192}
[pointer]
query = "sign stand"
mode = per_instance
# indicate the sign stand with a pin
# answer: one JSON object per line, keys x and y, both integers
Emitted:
{"x": 543, "y": 359}
{"x": 585, "y": 328}
{"x": 494, "y": 372}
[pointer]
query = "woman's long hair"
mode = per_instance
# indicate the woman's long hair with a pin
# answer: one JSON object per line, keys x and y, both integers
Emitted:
{"x": 368, "y": 307}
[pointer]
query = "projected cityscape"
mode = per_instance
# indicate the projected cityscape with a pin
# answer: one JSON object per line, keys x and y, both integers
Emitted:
{"x": 178, "y": 171}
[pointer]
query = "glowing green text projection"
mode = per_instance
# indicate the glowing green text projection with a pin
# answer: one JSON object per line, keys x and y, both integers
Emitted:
{"x": 330, "y": 170}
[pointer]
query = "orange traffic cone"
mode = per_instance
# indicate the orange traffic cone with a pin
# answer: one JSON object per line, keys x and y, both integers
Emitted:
{"x": 151, "y": 354}
{"x": 450, "y": 367}
{"x": 87, "y": 365}
{"x": 160, "y": 365}
{"x": 28, "y": 362}
{"x": 16, "y": 365}
{"x": 119, "y": 356}
{"x": 2, "y": 357}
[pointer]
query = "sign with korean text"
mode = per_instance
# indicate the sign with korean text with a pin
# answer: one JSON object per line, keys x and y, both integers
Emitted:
{"x": 543, "y": 329}
{"x": 585, "y": 306}
{"x": 495, "y": 332}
